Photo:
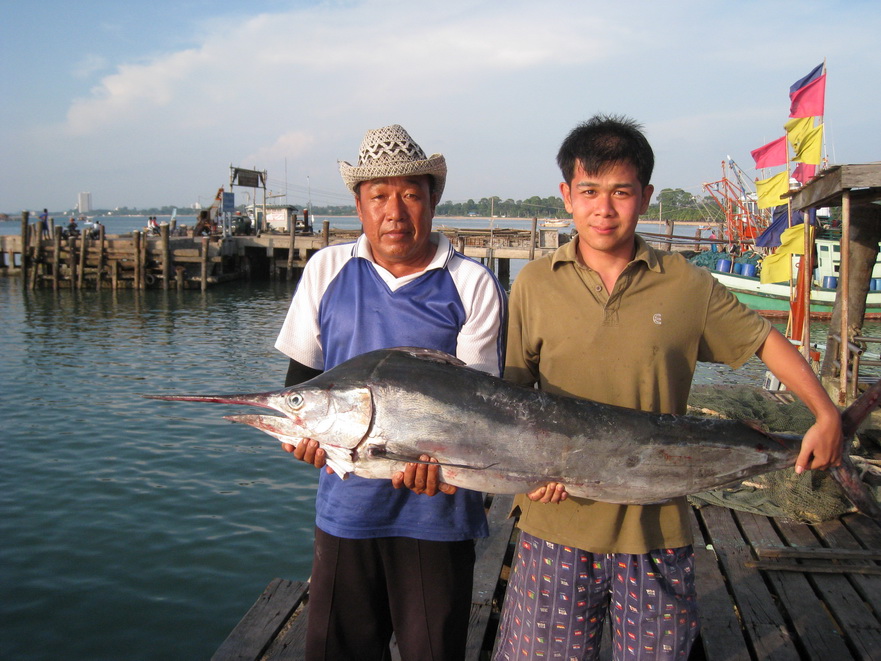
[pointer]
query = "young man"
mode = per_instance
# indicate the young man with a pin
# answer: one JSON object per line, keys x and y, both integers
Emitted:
{"x": 608, "y": 318}
{"x": 390, "y": 559}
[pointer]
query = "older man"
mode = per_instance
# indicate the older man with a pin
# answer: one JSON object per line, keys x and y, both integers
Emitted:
{"x": 390, "y": 559}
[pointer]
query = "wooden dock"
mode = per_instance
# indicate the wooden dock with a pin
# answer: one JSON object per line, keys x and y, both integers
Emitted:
{"x": 170, "y": 260}
{"x": 173, "y": 261}
{"x": 767, "y": 589}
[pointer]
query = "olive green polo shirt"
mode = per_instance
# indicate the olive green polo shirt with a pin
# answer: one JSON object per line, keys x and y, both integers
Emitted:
{"x": 636, "y": 347}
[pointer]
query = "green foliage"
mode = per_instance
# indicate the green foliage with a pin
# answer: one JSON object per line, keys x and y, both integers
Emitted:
{"x": 533, "y": 207}
{"x": 678, "y": 205}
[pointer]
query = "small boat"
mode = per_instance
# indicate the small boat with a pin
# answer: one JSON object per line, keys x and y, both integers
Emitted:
{"x": 772, "y": 299}
{"x": 556, "y": 223}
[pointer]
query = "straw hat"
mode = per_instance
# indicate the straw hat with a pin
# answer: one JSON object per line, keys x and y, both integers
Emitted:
{"x": 391, "y": 152}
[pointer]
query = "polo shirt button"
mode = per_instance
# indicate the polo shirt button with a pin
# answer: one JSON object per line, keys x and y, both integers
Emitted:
{"x": 599, "y": 288}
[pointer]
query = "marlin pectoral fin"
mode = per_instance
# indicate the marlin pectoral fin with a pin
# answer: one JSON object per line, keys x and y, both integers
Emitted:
{"x": 431, "y": 354}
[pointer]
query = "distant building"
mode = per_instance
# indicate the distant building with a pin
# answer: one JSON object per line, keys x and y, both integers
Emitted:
{"x": 84, "y": 203}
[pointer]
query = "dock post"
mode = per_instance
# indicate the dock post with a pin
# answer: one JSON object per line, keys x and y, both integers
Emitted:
{"x": 204, "y": 263}
{"x": 24, "y": 249}
{"x": 136, "y": 237}
{"x": 143, "y": 259}
{"x": 532, "y": 236}
{"x": 81, "y": 273}
{"x": 290, "y": 274}
{"x": 71, "y": 260}
{"x": 325, "y": 233}
{"x": 166, "y": 254}
{"x": 37, "y": 241}
{"x": 504, "y": 273}
{"x": 56, "y": 257}
{"x": 101, "y": 245}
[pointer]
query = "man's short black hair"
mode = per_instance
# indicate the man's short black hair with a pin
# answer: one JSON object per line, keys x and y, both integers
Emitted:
{"x": 604, "y": 141}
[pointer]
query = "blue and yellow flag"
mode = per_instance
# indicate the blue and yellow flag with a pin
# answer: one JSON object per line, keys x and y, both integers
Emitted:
{"x": 778, "y": 267}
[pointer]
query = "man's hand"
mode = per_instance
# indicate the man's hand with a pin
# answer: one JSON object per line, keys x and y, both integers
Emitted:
{"x": 309, "y": 451}
{"x": 422, "y": 478}
{"x": 821, "y": 446}
{"x": 552, "y": 492}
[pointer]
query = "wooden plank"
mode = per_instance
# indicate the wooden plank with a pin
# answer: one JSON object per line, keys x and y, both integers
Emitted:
{"x": 858, "y": 626}
{"x": 290, "y": 643}
{"x": 790, "y": 552}
{"x": 262, "y": 622}
{"x": 721, "y": 634}
{"x": 818, "y": 636}
{"x": 490, "y": 555}
{"x": 765, "y": 627}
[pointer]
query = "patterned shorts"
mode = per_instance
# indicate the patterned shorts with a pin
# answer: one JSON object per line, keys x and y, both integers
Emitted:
{"x": 558, "y": 597}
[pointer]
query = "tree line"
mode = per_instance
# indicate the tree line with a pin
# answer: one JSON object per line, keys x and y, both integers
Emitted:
{"x": 671, "y": 204}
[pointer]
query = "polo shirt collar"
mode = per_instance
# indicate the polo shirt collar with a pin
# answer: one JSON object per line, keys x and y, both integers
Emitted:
{"x": 644, "y": 253}
{"x": 442, "y": 255}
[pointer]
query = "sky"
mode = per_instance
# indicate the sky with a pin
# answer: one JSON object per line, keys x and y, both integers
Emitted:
{"x": 147, "y": 104}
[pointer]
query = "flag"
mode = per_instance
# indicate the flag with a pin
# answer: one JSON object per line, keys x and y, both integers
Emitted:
{"x": 780, "y": 221}
{"x": 771, "y": 190}
{"x": 804, "y": 172}
{"x": 771, "y": 155}
{"x": 796, "y": 129}
{"x": 815, "y": 73}
{"x": 809, "y": 100}
{"x": 778, "y": 267}
{"x": 811, "y": 147}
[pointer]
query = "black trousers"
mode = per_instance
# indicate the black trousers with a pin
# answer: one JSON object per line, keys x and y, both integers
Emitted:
{"x": 364, "y": 589}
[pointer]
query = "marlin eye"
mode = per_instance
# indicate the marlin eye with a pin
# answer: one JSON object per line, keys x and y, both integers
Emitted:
{"x": 295, "y": 400}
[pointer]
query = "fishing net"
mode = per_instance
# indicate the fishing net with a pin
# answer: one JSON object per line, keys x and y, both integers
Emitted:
{"x": 811, "y": 497}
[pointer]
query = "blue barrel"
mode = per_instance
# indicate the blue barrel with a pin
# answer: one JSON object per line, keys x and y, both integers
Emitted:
{"x": 830, "y": 282}
{"x": 738, "y": 268}
{"x": 724, "y": 265}
{"x": 749, "y": 270}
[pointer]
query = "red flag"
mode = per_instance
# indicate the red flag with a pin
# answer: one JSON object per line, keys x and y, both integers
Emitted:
{"x": 771, "y": 155}
{"x": 809, "y": 100}
{"x": 804, "y": 172}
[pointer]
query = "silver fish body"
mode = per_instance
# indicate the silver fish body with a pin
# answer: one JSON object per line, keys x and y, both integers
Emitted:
{"x": 383, "y": 409}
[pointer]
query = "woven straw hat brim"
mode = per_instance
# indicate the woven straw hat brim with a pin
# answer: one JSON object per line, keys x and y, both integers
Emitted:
{"x": 435, "y": 165}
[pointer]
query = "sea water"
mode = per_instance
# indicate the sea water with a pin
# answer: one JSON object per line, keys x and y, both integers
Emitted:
{"x": 135, "y": 528}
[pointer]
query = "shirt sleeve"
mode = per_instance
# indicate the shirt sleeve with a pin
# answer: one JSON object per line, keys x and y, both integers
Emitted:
{"x": 481, "y": 340}
{"x": 300, "y": 335}
{"x": 733, "y": 332}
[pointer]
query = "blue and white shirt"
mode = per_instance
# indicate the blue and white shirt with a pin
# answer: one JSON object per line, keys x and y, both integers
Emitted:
{"x": 346, "y": 305}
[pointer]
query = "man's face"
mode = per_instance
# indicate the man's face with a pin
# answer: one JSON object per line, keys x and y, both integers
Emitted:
{"x": 605, "y": 208}
{"x": 396, "y": 215}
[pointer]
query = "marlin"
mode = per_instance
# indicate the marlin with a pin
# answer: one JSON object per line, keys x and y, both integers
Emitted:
{"x": 377, "y": 412}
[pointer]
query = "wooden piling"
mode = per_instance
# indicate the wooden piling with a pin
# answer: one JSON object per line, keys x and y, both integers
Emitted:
{"x": 35, "y": 240}
{"x": 24, "y": 249}
{"x": 56, "y": 257}
{"x": 325, "y": 233}
{"x": 204, "y": 263}
{"x": 533, "y": 232}
{"x": 290, "y": 274}
{"x": 81, "y": 273}
{"x": 164, "y": 247}
{"x": 136, "y": 238}
{"x": 100, "y": 272}
{"x": 71, "y": 260}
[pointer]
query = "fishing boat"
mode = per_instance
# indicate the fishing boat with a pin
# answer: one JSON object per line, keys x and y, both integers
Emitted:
{"x": 562, "y": 222}
{"x": 773, "y": 298}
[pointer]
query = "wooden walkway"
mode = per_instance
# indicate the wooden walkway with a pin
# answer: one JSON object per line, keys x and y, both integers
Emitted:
{"x": 766, "y": 589}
